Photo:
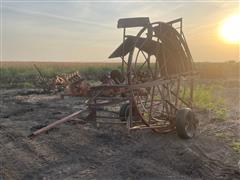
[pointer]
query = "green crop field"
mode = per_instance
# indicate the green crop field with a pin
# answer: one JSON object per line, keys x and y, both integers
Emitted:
{"x": 22, "y": 74}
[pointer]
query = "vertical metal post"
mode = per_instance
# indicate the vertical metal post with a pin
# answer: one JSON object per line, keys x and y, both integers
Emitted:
{"x": 178, "y": 90}
{"x": 129, "y": 120}
{"x": 124, "y": 33}
{"x": 191, "y": 91}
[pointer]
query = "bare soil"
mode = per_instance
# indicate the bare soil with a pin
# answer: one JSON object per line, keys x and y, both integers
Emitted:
{"x": 82, "y": 150}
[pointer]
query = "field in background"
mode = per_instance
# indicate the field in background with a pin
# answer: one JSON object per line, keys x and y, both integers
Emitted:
{"x": 21, "y": 74}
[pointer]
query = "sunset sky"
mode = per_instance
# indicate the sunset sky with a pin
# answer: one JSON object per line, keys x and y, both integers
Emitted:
{"x": 87, "y": 31}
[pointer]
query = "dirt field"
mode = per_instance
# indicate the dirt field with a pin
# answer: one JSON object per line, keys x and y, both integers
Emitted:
{"x": 81, "y": 150}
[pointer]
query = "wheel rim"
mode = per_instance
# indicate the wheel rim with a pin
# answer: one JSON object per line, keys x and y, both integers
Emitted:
{"x": 190, "y": 127}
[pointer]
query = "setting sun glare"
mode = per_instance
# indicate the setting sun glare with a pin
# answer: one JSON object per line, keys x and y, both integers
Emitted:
{"x": 230, "y": 29}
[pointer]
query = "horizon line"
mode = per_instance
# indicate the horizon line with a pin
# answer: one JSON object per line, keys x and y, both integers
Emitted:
{"x": 111, "y": 61}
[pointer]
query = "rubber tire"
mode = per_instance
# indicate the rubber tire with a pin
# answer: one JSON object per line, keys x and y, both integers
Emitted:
{"x": 182, "y": 116}
{"x": 124, "y": 112}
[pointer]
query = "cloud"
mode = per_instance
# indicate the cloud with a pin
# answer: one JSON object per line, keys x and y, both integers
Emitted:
{"x": 58, "y": 17}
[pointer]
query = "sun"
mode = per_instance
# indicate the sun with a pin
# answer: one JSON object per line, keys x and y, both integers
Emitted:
{"x": 230, "y": 29}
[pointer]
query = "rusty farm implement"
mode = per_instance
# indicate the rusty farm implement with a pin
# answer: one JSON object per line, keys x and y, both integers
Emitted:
{"x": 154, "y": 89}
